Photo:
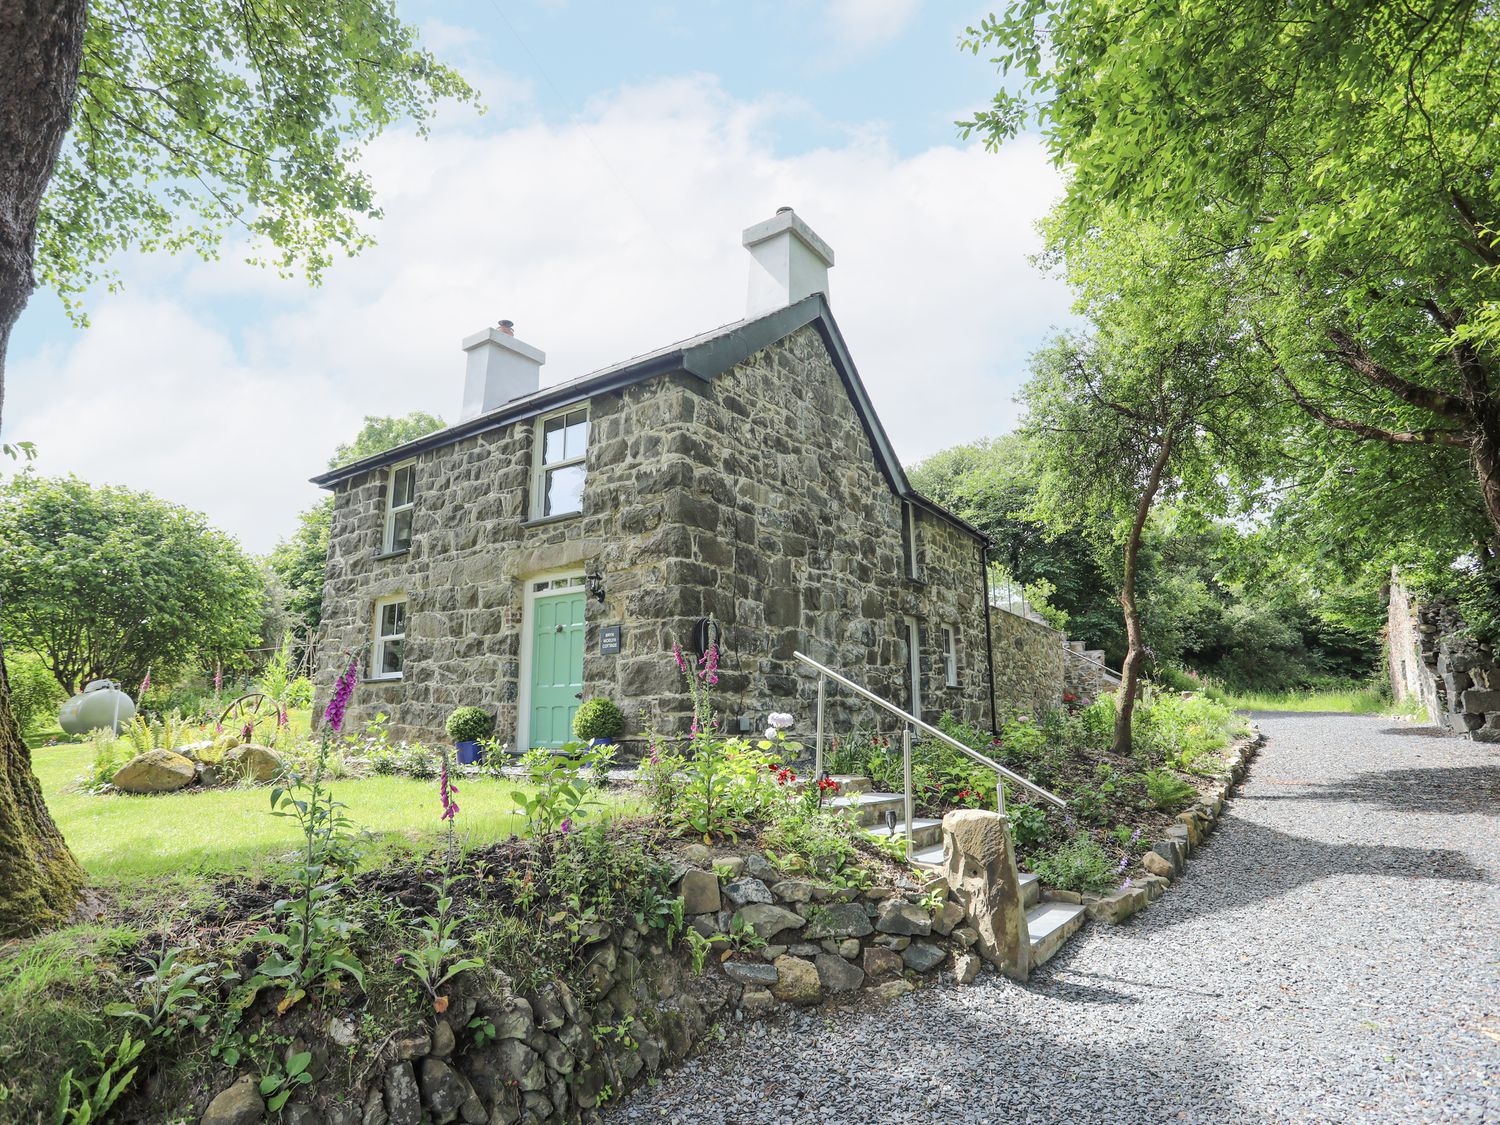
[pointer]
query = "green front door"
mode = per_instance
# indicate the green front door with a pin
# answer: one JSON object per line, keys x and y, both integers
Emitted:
{"x": 556, "y": 667}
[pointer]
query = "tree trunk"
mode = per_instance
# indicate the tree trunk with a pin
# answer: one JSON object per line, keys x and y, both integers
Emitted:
{"x": 1130, "y": 671}
{"x": 41, "y": 43}
{"x": 39, "y": 878}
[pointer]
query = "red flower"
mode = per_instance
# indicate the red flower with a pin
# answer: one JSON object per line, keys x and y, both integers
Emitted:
{"x": 828, "y": 785}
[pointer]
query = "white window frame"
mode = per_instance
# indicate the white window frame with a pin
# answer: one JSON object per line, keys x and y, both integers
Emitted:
{"x": 377, "y": 648}
{"x": 540, "y": 469}
{"x": 909, "y": 538}
{"x": 950, "y": 641}
{"x": 392, "y": 509}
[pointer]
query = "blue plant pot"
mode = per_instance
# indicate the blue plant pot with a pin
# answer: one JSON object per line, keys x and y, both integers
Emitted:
{"x": 469, "y": 753}
{"x": 601, "y": 742}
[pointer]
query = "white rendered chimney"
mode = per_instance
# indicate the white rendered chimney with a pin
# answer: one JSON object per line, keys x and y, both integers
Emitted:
{"x": 791, "y": 262}
{"x": 499, "y": 368}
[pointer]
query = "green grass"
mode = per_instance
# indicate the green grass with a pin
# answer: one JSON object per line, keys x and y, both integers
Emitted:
{"x": 121, "y": 838}
{"x": 1352, "y": 701}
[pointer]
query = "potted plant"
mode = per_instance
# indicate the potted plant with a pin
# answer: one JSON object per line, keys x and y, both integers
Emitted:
{"x": 598, "y": 722}
{"x": 467, "y": 726}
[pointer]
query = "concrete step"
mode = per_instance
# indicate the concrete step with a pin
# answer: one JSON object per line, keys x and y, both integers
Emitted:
{"x": 1031, "y": 890}
{"x": 1050, "y": 924}
{"x": 849, "y": 783}
{"x": 930, "y": 856}
{"x": 870, "y": 808}
{"x": 926, "y": 832}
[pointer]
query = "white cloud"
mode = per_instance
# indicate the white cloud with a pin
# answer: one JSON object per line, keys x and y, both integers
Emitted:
{"x": 862, "y": 24}
{"x": 221, "y": 387}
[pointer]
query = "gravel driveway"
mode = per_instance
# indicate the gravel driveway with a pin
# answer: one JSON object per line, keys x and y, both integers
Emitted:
{"x": 1333, "y": 954}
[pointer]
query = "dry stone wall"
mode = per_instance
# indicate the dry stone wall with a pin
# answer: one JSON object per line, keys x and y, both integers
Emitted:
{"x": 1434, "y": 659}
{"x": 754, "y": 499}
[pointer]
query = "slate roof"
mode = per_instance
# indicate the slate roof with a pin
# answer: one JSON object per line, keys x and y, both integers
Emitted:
{"x": 706, "y": 355}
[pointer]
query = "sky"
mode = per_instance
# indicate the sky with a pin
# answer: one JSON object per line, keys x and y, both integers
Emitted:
{"x": 597, "y": 203}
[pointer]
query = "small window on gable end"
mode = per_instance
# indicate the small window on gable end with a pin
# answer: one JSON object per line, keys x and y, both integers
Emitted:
{"x": 562, "y": 445}
{"x": 950, "y": 650}
{"x": 909, "y": 525}
{"x": 400, "y": 506}
{"x": 387, "y": 657}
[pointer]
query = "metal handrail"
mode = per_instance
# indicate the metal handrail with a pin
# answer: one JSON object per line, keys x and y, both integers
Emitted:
{"x": 825, "y": 673}
{"x": 1075, "y": 654}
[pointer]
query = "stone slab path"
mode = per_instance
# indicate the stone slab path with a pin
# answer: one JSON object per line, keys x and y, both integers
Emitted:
{"x": 1332, "y": 955}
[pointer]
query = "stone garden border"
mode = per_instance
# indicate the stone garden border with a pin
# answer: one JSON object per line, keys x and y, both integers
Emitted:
{"x": 1167, "y": 860}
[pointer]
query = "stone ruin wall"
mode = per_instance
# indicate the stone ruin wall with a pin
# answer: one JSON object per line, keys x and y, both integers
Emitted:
{"x": 1434, "y": 659}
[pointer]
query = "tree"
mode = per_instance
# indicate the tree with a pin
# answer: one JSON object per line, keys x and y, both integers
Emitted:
{"x": 380, "y": 433}
{"x": 300, "y": 561}
{"x": 990, "y": 483}
{"x": 1159, "y": 404}
{"x": 187, "y": 120}
{"x": 1340, "y": 159}
{"x": 106, "y": 583}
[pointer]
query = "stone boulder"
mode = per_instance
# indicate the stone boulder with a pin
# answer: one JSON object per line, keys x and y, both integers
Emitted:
{"x": 241, "y": 1104}
{"x": 254, "y": 763}
{"x": 155, "y": 771}
{"x": 700, "y": 892}
{"x": 797, "y": 981}
{"x": 981, "y": 870}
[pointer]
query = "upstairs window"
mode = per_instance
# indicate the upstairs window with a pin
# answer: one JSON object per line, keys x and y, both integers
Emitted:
{"x": 400, "y": 506}
{"x": 909, "y": 539}
{"x": 562, "y": 445}
{"x": 387, "y": 657}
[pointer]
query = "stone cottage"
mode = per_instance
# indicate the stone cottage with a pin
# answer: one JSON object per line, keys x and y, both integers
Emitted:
{"x": 736, "y": 487}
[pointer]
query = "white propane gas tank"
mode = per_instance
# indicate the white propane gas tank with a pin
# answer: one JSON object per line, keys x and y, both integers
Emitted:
{"x": 101, "y": 704}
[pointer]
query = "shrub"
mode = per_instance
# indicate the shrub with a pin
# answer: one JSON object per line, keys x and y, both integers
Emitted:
{"x": 34, "y": 693}
{"x": 598, "y": 718}
{"x": 110, "y": 754}
{"x": 1166, "y": 791}
{"x": 1079, "y": 865}
{"x": 470, "y": 724}
{"x": 1029, "y": 827}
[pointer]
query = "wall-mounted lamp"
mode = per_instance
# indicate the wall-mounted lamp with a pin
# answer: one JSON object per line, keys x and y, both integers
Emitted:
{"x": 593, "y": 581}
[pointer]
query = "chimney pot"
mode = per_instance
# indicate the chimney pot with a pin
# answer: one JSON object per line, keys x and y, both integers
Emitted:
{"x": 790, "y": 262}
{"x": 508, "y": 327}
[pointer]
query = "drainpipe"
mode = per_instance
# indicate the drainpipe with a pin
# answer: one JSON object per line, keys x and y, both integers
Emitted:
{"x": 989, "y": 633}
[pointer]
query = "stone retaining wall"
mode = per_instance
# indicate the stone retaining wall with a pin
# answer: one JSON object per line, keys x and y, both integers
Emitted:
{"x": 1435, "y": 660}
{"x": 551, "y": 1055}
{"x": 1028, "y": 658}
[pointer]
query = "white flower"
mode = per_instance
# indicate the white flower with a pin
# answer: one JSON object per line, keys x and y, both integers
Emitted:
{"x": 772, "y": 732}
{"x": 781, "y": 720}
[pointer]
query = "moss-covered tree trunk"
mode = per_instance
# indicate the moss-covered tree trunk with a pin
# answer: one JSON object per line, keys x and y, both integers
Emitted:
{"x": 39, "y": 878}
{"x": 41, "y": 43}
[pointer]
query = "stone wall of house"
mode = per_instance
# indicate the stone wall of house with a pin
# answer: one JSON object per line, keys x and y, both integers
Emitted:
{"x": 1029, "y": 662}
{"x": 754, "y": 499}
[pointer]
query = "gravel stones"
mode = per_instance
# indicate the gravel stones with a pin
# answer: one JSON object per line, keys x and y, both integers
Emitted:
{"x": 1237, "y": 997}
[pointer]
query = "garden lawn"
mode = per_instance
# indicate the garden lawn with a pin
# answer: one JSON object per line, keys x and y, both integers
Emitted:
{"x": 125, "y": 838}
{"x": 1350, "y": 701}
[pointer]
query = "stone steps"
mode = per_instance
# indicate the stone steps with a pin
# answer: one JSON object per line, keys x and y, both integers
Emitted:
{"x": 1050, "y": 924}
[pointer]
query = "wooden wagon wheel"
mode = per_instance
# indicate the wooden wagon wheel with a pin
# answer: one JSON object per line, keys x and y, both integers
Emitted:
{"x": 250, "y": 711}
